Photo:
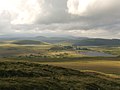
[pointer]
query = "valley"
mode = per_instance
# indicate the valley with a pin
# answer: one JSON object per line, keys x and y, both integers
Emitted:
{"x": 40, "y": 62}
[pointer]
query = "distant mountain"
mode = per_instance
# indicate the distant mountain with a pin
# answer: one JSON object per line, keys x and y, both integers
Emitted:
{"x": 77, "y": 41}
{"x": 43, "y": 38}
{"x": 59, "y": 39}
{"x": 28, "y": 42}
{"x": 97, "y": 42}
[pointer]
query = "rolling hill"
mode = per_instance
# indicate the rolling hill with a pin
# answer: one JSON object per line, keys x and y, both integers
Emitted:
{"x": 77, "y": 41}
{"x": 33, "y": 76}
{"x": 28, "y": 42}
{"x": 97, "y": 42}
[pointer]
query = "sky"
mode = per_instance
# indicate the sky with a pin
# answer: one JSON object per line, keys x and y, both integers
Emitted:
{"x": 83, "y": 18}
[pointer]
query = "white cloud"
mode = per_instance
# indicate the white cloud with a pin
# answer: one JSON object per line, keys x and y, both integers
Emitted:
{"x": 79, "y": 7}
{"x": 91, "y": 7}
{"x": 22, "y": 11}
{"x": 5, "y": 19}
{"x": 98, "y": 18}
{"x": 27, "y": 12}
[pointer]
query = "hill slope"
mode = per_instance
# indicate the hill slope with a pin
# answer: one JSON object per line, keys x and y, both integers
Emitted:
{"x": 27, "y": 42}
{"x": 31, "y": 76}
{"x": 97, "y": 42}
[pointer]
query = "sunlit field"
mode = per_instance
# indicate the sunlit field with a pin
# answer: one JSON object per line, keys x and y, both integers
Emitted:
{"x": 53, "y": 65}
{"x": 106, "y": 66}
{"x": 59, "y": 44}
{"x": 68, "y": 58}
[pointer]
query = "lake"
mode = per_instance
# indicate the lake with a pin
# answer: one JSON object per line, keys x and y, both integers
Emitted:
{"x": 95, "y": 53}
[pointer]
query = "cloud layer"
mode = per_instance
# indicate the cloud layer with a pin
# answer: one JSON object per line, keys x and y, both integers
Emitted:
{"x": 88, "y": 18}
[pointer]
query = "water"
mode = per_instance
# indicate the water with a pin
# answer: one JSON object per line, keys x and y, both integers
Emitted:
{"x": 95, "y": 53}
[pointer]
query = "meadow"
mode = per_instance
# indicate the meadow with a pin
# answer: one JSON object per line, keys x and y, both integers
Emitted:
{"x": 59, "y": 56}
{"x": 34, "y": 76}
{"x": 57, "y": 67}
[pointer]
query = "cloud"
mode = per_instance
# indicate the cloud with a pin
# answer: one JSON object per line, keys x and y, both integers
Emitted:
{"x": 5, "y": 19}
{"x": 21, "y": 11}
{"x": 96, "y": 14}
{"x": 53, "y": 11}
{"x": 92, "y": 7}
{"x": 98, "y": 18}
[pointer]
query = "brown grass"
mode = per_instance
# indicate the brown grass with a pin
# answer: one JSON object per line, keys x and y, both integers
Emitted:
{"x": 111, "y": 67}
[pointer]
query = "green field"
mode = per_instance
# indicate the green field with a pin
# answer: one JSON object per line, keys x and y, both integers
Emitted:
{"x": 58, "y": 67}
{"x": 109, "y": 67}
{"x": 58, "y": 56}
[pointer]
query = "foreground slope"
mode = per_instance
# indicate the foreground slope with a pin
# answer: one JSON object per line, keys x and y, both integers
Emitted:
{"x": 32, "y": 76}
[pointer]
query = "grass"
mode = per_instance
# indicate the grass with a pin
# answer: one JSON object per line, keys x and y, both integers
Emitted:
{"x": 110, "y": 67}
{"x": 33, "y": 76}
{"x": 106, "y": 65}
{"x": 38, "y": 67}
{"x": 8, "y": 50}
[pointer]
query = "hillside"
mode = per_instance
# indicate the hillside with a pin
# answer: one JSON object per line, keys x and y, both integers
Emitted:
{"x": 28, "y": 42}
{"x": 32, "y": 76}
{"x": 77, "y": 41}
{"x": 44, "y": 38}
{"x": 97, "y": 42}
